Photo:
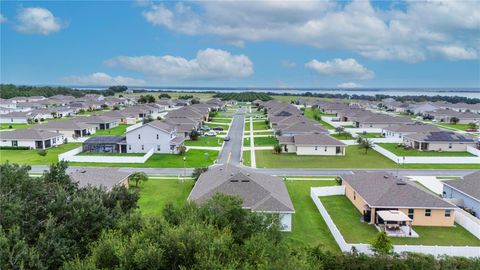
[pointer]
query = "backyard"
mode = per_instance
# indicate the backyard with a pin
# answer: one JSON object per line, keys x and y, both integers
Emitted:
{"x": 308, "y": 226}
{"x": 111, "y": 154}
{"x": 347, "y": 219}
{"x": 14, "y": 126}
{"x": 116, "y": 131}
{"x": 401, "y": 152}
{"x": 462, "y": 127}
{"x": 308, "y": 113}
{"x": 156, "y": 193}
{"x": 370, "y": 135}
{"x": 31, "y": 157}
{"x": 345, "y": 136}
{"x": 205, "y": 141}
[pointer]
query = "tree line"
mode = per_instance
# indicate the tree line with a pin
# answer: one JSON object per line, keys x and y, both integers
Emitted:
{"x": 10, "y": 90}
{"x": 243, "y": 96}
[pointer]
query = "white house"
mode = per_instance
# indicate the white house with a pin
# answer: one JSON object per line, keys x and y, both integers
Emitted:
{"x": 14, "y": 118}
{"x": 68, "y": 128}
{"x": 312, "y": 144}
{"x": 33, "y": 138}
{"x": 157, "y": 135}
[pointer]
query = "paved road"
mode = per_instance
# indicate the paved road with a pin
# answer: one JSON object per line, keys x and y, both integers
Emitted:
{"x": 232, "y": 149}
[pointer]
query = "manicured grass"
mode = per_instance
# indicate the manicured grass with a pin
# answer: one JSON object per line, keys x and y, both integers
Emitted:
{"x": 14, "y": 126}
{"x": 224, "y": 126}
{"x": 219, "y": 120}
{"x": 308, "y": 226}
{"x": 195, "y": 158}
{"x": 400, "y": 151}
{"x": 263, "y": 133}
{"x": 370, "y": 135}
{"x": 347, "y": 219}
{"x": 354, "y": 158}
{"x": 346, "y": 136}
{"x": 205, "y": 141}
{"x": 457, "y": 126}
{"x": 310, "y": 114}
{"x": 111, "y": 154}
{"x": 260, "y": 141}
{"x": 260, "y": 126}
{"x": 31, "y": 157}
{"x": 116, "y": 131}
{"x": 156, "y": 193}
{"x": 246, "y": 158}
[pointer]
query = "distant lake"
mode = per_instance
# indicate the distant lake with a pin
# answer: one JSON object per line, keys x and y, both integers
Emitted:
{"x": 463, "y": 92}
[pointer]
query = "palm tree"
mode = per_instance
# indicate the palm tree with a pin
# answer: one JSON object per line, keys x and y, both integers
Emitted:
{"x": 366, "y": 144}
{"x": 138, "y": 177}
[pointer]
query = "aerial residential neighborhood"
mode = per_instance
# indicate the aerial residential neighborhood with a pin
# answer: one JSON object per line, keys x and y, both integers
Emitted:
{"x": 240, "y": 134}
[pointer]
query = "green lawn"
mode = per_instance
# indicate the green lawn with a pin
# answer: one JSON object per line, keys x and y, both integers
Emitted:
{"x": 217, "y": 120}
{"x": 14, "y": 126}
{"x": 246, "y": 158}
{"x": 354, "y": 158}
{"x": 454, "y": 126}
{"x": 116, "y": 131}
{"x": 224, "y": 126}
{"x": 346, "y": 136}
{"x": 31, "y": 157}
{"x": 111, "y": 154}
{"x": 260, "y": 141}
{"x": 205, "y": 141}
{"x": 260, "y": 125}
{"x": 262, "y": 133}
{"x": 194, "y": 158}
{"x": 400, "y": 151}
{"x": 156, "y": 193}
{"x": 370, "y": 135}
{"x": 310, "y": 114}
{"x": 308, "y": 226}
{"x": 347, "y": 219}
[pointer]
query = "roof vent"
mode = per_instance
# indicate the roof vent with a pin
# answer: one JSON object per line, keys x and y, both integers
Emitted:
{"x": 233, "y": 180}
{"x": 245, "y": 180}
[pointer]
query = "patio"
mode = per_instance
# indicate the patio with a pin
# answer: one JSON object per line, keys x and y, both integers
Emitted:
{"x": 394, "y": 223}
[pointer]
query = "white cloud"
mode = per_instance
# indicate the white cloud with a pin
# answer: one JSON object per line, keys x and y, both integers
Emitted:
{"x": 455, "y": 52}
{"x": 100, "y": 78}
{"x": 399, "y": 33}
{"x": 37, "y": 20}
{"x": 209, "y": 64}
{"x": 288, "y": 64}
{"x": 349, "y": 68}
{"x": 348, "y": 85}
{"x": 2, "y": 18}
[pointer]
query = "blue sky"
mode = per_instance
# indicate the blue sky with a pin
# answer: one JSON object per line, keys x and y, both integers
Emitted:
{"x": 266, "y": 44}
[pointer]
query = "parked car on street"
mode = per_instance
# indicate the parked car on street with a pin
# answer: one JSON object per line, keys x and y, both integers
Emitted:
{"x": 218, "y": 128}
{"x": 227, "y": 138}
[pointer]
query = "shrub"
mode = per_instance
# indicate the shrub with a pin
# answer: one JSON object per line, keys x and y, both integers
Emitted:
{"x": 181, "y": 150}
{"x": 197, "y": 172}
{"x": 194, "y": 135}
{"x": 42, "y": 152}
{"x": 277, "y": 149}
{"x": 14, "y": 148}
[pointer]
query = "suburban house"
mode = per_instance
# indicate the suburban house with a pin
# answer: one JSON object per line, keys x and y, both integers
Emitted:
{"x": 300, "y": 128}
{"x": 379, "y": 120}
{"x": 422, "y": 108}
{"x": 439, "y": 141}
{"x": 29, "y": 137}
{"x": 312, "y": 144}
{"x": 464, "y": 193}
{"x": 395, "y": 204}
{"x": 446, "y": 116}
{"x": 107, "y": 178}
{"x": 332, "y": 107}
{"x": 124, "y": 116}
{"x": 259, "y": 192}
{"x": 100, "y": 121}
{"x": 105, "y": 144}
{"x": 157, "y": 135}
{"x": 14, "y": 118}
{"x": 398, "y": 131}
{"x": 68, "y": 128}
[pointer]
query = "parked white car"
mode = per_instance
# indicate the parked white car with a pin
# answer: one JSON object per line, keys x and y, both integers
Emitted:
{"x": 211, "y": 134}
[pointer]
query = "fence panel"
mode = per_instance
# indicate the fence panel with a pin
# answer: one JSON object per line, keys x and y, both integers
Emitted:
{"x": 72, "y": 157}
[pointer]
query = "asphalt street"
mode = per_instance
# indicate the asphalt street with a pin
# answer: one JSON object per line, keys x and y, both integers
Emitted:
{"x": 232, "y": 150}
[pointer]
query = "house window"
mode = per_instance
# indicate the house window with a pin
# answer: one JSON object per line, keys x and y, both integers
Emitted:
{"x": 139, "y": 136}
{"x": 14, "y": 143}
{"x": 316, "y": 148}
{"x": 428, "y": 212}
{"x": 411, "y": 211}
{"x": 448, "y": 212}
{"x": 325, "y": 149}
{"x": 143, "y": 148}
{"x": 338, "y": 150}
{"x": 354, "y": 195}
{"x": 157, "y": 136}
{"x": 129, "y": 147}
{"x": 158, "y": 147}
{"x": 449, "y": 146}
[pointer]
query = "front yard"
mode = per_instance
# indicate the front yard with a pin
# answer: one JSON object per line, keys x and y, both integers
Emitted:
{"x": 14, "y": 126}
{"x": 156, "y": 193}
{"x": 205, "y": 141}
{"x": 347, "y": 219}
{"x": 370, "y": 135}
{"x": 260, "y": 141}
{"x": 221, "y": 120}
{"x": 31, "y": 157}
{"x": 308, "y": 226}
{"x": 402, "y": 152}
{"x": 261, "y": 125}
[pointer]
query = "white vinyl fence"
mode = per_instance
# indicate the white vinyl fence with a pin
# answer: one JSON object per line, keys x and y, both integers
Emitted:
{"x": 72, "y": 157}
{"x": 467, "y": 221}
{"x": 427, "y": 160}
{"x": 464, "y": 251}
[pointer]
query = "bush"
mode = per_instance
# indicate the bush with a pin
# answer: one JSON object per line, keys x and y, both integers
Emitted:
{"x": 181, "y": 150}
{"x": 197, "y": 172}
{"x": 277, "y": 149}
{"x": 194, "y": 135}
{"x": 14, "y": 148}
{"x": 42, "y": 152}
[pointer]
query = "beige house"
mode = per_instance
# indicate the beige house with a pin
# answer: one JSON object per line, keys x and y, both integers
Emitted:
{"x": 439, "y": 141}
{"x": 403, "y": 203}
{"x": 312, "y": 144}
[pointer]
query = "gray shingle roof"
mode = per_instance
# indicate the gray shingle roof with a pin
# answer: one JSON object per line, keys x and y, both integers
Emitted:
{"x": 470, "y": 184}
{"x": 381, "y": 189}
{"x": 106, "y": 177}
{"x": 28, "y": 134}
{"x": 416, "y": 127}
{"x": 64, "y": 125}
{"x": 441, "y": 136}
{"x": 260, "y": 192}
{"x": 316, "y": 139}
